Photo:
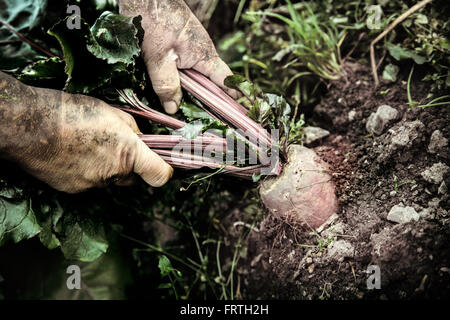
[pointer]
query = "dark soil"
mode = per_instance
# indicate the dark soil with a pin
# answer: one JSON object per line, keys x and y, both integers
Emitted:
{"x": 285, "y": 261}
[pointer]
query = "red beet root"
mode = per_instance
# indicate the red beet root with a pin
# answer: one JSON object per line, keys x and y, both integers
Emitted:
{"x": 304, "y": 192}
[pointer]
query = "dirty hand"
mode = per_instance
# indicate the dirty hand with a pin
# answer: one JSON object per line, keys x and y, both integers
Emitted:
{"x": 73, "y": 142}
{"x": 174, "y": 39}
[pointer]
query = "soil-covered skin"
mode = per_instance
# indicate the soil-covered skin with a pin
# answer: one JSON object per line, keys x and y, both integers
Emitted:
{"x": 372, "y": 174}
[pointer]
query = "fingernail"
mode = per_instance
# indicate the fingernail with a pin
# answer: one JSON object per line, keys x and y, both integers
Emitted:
{"x": 170, "y": 107}
{"x": 171, "y": 172}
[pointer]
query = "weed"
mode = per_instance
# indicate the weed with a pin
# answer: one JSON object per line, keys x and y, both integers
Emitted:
{"x": 322, "y": 243}
{"x": 317, "y": 45}
{"x": 435, "y": 102}
{"x": 397, "y": 185}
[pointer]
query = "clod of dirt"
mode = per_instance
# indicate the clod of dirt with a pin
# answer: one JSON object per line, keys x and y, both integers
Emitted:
{"x": 339, "y": 250}
{"x": 435, "y": 174}
{"x": 407, "y": 134}
{"x": 304, "y": 193}
{"x": 443, "y": 188}
{"x": 400, "y": 138}
{"x": 400, "y": 214}
{"x": 378, "y": 121}
{"x": 313, "y": 134}
{"x": 437, "y": 142}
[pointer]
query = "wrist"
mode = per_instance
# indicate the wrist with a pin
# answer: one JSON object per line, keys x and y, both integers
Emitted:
{"x": 27, "y": 118}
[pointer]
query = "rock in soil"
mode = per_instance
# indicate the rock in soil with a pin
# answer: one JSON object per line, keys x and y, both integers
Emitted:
{"x": 378, "y": 121}
{"x": 339, "y": 250}
{"x": 437, "y": 142}
{"x": 407, "y": 134}
{"x": 313, "y": 134}
{"x": 400, "y": 214}
{"x": 304, "y": 192}
{"x": 435, "y": 174}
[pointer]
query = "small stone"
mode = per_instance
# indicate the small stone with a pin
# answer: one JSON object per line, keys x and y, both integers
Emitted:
{"x": 406, "y": 134}
{"x": 443, "y": 188}
{"x": 311, "y": 268}
{"x": 351, "y": 115}
{"x": 339, "y": 250}
{"x": 445, "y": 269}
{"x": 313, "y": 134}
{"x": 435, "y": 174}
{"x": 426, "y": 213}
{"x": 378, "y": 121}
{"x": 400, "y": 214}
{"x": 309, "y": 260}
{"x": 437, "y": 142}
{"x": 291, "y": 255}
{"x": 393, "y": 193}
{"x": 434, "y": 203}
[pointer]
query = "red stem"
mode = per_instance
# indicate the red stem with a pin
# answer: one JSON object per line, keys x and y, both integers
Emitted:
{"x": 222, "y": 105}
{"x": 157, "y": 117}
{"x": 228, "y": 111}
{"x": 211, "y": 86}
{"x": 171, "y": 141}
{"x": 31, "y": 43}
{"x": 190, "y": 161}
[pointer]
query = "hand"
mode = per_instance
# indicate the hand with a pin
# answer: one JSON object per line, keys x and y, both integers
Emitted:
{"x": 73, "y": 142}
{"x": 175, "y": 39}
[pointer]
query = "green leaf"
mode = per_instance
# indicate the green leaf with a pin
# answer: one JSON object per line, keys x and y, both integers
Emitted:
{"x": 191, "y": 130}
{"x": 256, "y": 177}
{"x": 114, "y": 38}
{"x": 390, "y": 72}
{"x": 399, "y": 53}
{"x": 85, "y": 71}
{"x": 242, "y": 84}
{"x": 421, "y": 19}
{"x": 81, "y": 239}
{"x": 17, "y": 220}
{"x": 281, "y": 110}
{"x": 165, "y": 266}
{"x": 23, "y": 16}
{"x": 101, "y": 5}
{"x": 48, "y": 218}
{"x": 44, "y": 73}
{"x": 192, "y": 112}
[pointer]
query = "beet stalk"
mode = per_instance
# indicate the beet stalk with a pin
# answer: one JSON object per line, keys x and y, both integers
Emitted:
{"x": 221, "y": 106}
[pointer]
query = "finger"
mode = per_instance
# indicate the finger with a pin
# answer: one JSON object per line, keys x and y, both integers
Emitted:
{"x": 154, "y": 170}
{"x": 166, "y": 81}
{"x": 217, "y": 71}
{"x": 128, "y": 119}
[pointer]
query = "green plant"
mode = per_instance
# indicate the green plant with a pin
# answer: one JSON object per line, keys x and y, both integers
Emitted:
{"x": 289, "y": 50}
{"x": 397, "y": 185}
{"x": 166, "y": 270}
{"x": 322, "y": 243}
{"x": 316, "y": 44}
{"x": 432, "y": 103}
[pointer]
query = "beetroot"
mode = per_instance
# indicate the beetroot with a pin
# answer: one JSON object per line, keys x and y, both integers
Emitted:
{"x": 304, "y": 192}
